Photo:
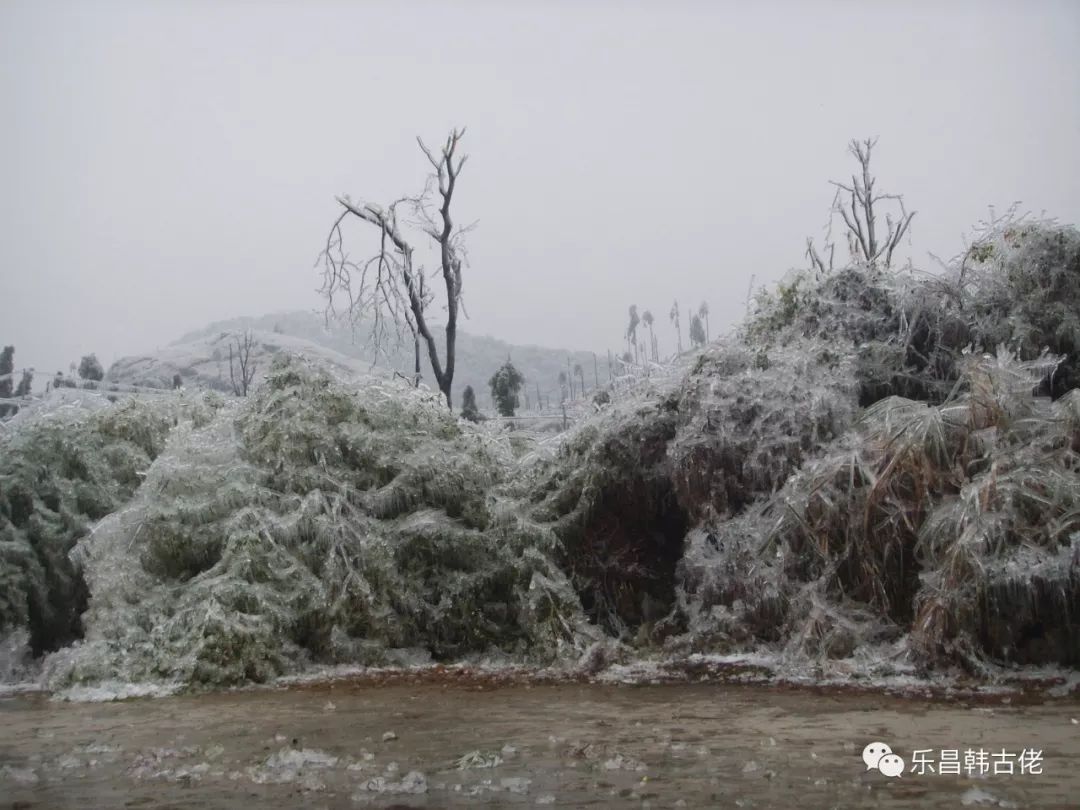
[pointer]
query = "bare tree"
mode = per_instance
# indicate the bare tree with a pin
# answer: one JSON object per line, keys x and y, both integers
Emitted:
{"x": 858, "y": 205}
{"x": 241, "y": 364}
{"x": 388, "y": 286}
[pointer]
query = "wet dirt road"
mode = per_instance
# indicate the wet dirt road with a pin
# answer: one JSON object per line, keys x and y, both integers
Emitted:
{"x": 431, "y": 745}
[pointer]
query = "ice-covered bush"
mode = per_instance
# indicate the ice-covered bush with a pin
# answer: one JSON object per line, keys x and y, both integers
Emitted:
{"x": 59, "y": 472}
{"x": 1020, "y": 282}
{"x": 318, "y": 521}
{"x": 956, "y": 523}
{"x": 1018, "y": 285}
{"x": 625, "y": 488}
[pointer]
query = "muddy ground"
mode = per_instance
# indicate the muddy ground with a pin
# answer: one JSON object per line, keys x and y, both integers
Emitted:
{"x": 430, "y": 744}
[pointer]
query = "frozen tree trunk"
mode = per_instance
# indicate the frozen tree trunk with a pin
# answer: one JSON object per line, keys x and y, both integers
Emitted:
{"x": 416, "y": 357}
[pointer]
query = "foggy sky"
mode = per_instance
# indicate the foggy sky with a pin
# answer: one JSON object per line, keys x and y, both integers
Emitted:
{"x": 163, "y": 165}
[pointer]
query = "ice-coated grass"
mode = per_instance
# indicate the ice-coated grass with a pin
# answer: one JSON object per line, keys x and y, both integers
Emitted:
{"x": 952, "y": 525}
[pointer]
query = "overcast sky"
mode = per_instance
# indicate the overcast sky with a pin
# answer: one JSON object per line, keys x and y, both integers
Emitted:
{"x": 165, "y": 164}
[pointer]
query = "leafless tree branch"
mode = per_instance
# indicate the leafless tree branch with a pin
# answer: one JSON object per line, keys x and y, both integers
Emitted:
{"x": 391, "y": 289}
{"x": 858, "y": 207}
{"x": 241, "y": 364}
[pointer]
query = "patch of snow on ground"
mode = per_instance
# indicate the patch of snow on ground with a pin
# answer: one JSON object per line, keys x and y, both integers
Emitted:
{"x": 115, "y": 690}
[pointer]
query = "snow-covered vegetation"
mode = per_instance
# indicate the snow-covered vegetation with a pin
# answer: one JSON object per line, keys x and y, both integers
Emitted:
{"x": 316, "y": 521}
{"x": 879, "y": 466}
{"x": 62, "y": 469}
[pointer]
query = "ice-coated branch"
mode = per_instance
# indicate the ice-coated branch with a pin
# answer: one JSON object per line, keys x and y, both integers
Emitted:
{"x": 860, "y": 216}
{"x": 241, "y": 364}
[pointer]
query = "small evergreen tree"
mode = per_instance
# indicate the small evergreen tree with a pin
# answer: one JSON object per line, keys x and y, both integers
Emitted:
{"x": 469, "y": 410}
{"x": 7, "y": 372}
{"x": 7, "y": 369}
{"x": 579, "y": 372}
{"x": 505, "y": 385}
{"x": 697, "y": 331}
{"x": 177, "y": 381}
{"x": 90, "y": 368}
{"x": 25, "y": 384}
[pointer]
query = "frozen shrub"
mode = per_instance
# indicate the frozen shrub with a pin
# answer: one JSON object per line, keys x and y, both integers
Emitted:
{"x": 627, "y": 486}
{"x": 954, "y": 523}
{"x": 317, "y": 521}
{"x": 1018, "y": 285}
{"x": 469, "y": 410}
{"x": 1020, "y": 281}
{"x": 90, "y": 368}
{"x": 58, "y": 474}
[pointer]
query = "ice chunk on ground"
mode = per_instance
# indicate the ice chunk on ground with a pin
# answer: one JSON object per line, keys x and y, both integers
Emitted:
{"x": 478, "y": 759}
{"x": 292, "y": 765}
{"x": 414, "y": 782}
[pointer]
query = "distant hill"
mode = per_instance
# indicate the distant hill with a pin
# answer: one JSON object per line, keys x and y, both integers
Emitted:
{"x": 203, "y": 360}
{"x": 202, "y": 356}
